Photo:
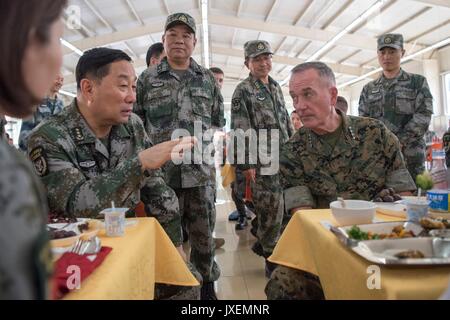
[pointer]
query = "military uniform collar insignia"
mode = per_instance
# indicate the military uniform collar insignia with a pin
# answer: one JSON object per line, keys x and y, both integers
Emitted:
{"x": 77, "y": 125}
{"x": 77, "y": 134}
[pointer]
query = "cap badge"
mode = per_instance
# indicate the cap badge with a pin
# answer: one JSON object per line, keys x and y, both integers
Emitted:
{"x": 183, "y": 18}
{"x": 261, "y": 46}
{"x": 387, "y": 40}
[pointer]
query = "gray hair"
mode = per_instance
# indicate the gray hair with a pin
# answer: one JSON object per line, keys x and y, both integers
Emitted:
{"x": 322, "y": 69}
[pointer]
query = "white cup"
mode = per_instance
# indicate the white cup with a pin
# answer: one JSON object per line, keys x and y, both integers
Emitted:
{"x": 114, "y": 221}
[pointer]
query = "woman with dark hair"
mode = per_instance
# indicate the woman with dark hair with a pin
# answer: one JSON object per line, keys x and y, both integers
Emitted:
{"x": 31, "y": 57}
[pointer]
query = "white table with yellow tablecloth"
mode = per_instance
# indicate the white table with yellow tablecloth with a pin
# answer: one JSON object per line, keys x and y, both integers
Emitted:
{"x": 307, "y": 245}
{"x": 141, "y": 258}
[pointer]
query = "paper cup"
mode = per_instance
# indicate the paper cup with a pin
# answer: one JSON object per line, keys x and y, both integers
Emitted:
{"x": 416, "y": 209}
{"x": 114, "y": 221}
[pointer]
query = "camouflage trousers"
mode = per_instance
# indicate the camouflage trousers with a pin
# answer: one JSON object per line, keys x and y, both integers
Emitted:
{"x": 269, "y": 207}
{"x": 171, "y": 292}
{"x": 415, "y": 166}
{"x": 292, "y": 284}
{"x": 238, "y": 193}
{"x": 414, "y": 160}
{"x": 198, "y": 212}
{"x": 161, "y": 202}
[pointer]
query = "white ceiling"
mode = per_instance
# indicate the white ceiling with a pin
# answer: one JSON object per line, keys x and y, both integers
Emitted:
{"x": 296, "y": 29}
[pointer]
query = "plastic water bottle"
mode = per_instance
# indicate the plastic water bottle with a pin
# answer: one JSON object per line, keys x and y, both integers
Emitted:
{"x": 439, "y": 170}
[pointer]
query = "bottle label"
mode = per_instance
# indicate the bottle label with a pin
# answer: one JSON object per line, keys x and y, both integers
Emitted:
{"x": 439, "y": 178}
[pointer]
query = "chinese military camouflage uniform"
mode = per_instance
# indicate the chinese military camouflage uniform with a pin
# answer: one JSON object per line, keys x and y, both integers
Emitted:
{"x": 25, "y": 262}
{"x": 365, "y": 159}
{"x": 446, "y": 145}
{"x": 259, "y": 107}
{"x": 167, "y": 101}
{"x": 405, "y": 106}
{"x": 49, "y": 107}
{"x": 83, "y": 175}
{"x": 3, "y": 123}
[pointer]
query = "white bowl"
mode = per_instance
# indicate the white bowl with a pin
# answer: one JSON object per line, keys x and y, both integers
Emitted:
{"x": 355, "y": 212}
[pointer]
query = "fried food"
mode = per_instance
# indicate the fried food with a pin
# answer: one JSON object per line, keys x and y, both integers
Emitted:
{"x": 410, "y": 254}
{"x": 430, "y": 224}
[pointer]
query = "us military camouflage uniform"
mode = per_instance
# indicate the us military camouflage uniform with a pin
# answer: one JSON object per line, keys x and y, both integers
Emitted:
{"x": 405, "y": 106}
{"x": 25, "y": 262}
{"x": 166, "y": 102}
{"x": 365, "y": 160}
{"x": 257, "y": 107}
{"x": 49, "y": 107}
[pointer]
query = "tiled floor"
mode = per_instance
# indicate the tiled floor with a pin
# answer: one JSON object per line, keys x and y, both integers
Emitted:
{"x": 242, "y": 275}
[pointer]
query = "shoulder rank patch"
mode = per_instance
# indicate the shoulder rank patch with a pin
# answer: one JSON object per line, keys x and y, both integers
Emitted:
{"x": 78, "y": 134}
{"x": 236, "y": 104}
{"x": 157, "y": 84}
{"x": 37, "y": 156}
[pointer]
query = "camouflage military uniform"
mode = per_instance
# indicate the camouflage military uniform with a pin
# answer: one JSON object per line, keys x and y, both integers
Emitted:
{"x": 3, "y": 123}
{"x": 256, "y": 106}
{"x": 365, "y": 160}
{"x": 405, "y": 106}
{"x": 25, "y": 262}
{"x": 446, "y": 145}
{"x": 167, "y": 101}
{"x": 83, "y": 176}
{"x": 48, "y": 108}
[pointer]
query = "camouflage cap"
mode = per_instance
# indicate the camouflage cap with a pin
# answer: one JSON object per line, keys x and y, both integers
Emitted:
{"x": 255, "y": 48}
{"x": 392, "y": 40}
{"x": 180, "y": 18}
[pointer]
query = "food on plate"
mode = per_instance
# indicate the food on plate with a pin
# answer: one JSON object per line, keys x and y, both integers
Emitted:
{"x": 410, "y": 254}
{"x": 397, "y": 232}
{"x": 438, "y": 223}
{"x": 52, "y": 218}
{"x": 83, "y": 227}
{"x": 61, "y": 234}
{"x": 387, "y": 195}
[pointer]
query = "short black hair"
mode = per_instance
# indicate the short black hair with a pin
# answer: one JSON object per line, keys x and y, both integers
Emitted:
{"x": 216, "y": 70}
{"x": 155, "y": 50}
{"x": 96, "y": 63}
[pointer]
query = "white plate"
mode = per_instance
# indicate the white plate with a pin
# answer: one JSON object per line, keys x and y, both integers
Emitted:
{"x": 383, "y": 251}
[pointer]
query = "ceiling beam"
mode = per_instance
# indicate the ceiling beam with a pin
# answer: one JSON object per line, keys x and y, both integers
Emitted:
{"x": 349, "y": 40}
{"x": 434, "y": 3}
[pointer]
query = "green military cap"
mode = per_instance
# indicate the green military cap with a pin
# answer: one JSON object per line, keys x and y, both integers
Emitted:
{"x": 180, "y": 18}
{"x": 255, "y": 48}
{"x": 391, "y": 40}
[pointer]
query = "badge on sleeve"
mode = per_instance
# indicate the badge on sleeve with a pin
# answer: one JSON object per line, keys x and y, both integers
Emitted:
{"x": 37, "y": 156}
{"x": 236, "y": 104}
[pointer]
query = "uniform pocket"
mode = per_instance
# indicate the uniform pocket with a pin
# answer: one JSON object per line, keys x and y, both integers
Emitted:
{"x": 201, "y": 102}
{"x": 405, "y": 101}
{"x": 375, "y": 102}
{"x": 160, "y": 104}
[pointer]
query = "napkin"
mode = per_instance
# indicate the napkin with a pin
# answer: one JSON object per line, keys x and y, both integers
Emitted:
{"x": 71, "y": 269}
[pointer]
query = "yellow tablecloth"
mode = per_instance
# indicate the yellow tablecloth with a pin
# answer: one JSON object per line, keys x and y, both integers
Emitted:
{"x": 143, "y": 257}
{"x": 307, "y": 245}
